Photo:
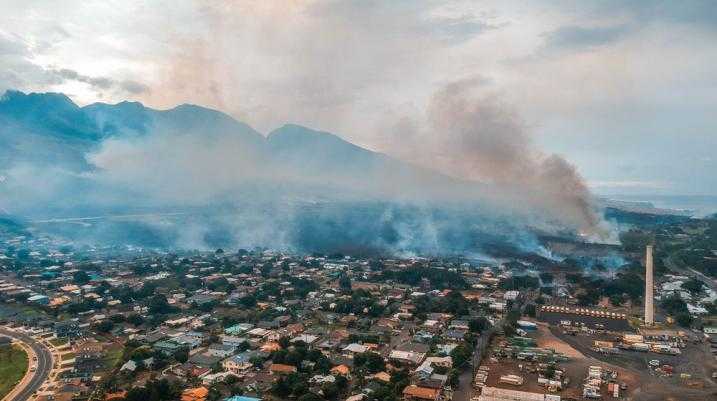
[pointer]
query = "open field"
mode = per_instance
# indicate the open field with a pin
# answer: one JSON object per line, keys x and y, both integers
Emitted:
{"x": 13, "y": 367}
{"x": 112, "y": 356}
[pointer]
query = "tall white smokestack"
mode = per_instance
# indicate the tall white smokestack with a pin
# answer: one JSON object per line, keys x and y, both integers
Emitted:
{"x": 649, "y": 307}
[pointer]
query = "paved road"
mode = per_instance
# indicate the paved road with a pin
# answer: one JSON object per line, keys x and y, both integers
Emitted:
{"x": 43, "y": 363}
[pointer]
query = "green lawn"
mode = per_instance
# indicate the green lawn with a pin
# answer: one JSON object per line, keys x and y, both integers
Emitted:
{"x": 58, "y": 342}
{"x": 112, "y": 356}
{"x": 12, "y": 368}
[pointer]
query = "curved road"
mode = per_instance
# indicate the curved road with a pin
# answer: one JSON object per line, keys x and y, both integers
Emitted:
{"x": 43, "y": 363}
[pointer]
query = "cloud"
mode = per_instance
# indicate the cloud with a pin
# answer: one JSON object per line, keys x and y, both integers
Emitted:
{"x": 458, "y": 29}
{"x": 97, "y": 82}
{"x": 101, "y": 83}
{"x": 10, "y": 46}
{"x": 605, "y": 72}
{"x": 701, "y": 13}
{"x": 134, "y": 87}
{"x": 580, "y": 38}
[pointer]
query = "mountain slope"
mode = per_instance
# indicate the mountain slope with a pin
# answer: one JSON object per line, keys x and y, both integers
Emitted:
{"x": 333, "y": 159}
{"x": 297, "y": 187}
{"x": 48, "y": 129}
{"x": 50, "y": 133}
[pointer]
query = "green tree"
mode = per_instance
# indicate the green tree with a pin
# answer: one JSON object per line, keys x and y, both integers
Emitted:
{"x": 81, "y": 277}
{"x": 104, "y": 326}
{"x": 158, "y": 305}
{"x": 345, "y": 282}
{"x": 479, "y": 324}
{"x": 181, "y": 355}
{"x": 310, "y": 397}
{"x": 684, "y": 319}
{"x": 693, "y": 286}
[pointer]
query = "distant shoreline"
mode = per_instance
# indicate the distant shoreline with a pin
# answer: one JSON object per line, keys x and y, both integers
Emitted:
{"x": 692, "y": 205}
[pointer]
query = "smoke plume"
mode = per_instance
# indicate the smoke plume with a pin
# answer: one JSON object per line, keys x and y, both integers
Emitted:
{"x": 471, "y": 134}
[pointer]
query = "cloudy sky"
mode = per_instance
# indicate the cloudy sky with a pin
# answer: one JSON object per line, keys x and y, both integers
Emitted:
{"x": 626, "y": 91}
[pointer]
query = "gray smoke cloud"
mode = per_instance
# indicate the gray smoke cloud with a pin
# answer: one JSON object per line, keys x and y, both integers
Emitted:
{"x": 471, "y": 133}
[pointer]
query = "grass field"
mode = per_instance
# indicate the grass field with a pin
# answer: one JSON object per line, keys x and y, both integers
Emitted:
{"x": 12, "y": 368}
{"x": 112, "y": 356}
{"x": 58, "y": 342}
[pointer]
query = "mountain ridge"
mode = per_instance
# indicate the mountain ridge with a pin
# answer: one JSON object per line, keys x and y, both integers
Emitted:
{"x": 292, "y": 158}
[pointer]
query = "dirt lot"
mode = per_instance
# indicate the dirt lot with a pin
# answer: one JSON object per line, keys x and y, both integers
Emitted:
{"x": 575, "y": 368}
{"x": 631, "y": 367}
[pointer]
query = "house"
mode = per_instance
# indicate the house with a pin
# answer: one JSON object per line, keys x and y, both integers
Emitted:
{"x": 116, "y": 396}
{"x": 88, "y": 350}
{"x": 201, "y": 299}
{"x": 241, "y": 398}
{"x": 258, "y": 332}
{"x": 129, "y": 366}
{"x": 234, "y": 341}
{"x": 214, "y": 378}
{"x": 445, "y": 361}
{"x": 341, "y": 370}
{"x": 167, "y": 347}
{"x": 457, "y": 335}
{"x": 268, "y": 325}
{"x": 221, "y": 350}
{"x": 321, "y": 379}
{"x": 270, "y": 346}
{"x": 414, "y": 392}
{"x": 238, "y": 364}
{"x": 306, "y": 338}
{"x": 384, "y": 377}
{"x": 408, "y": 357}
{"x": 155, "y": 336}
{"x": 39, "y": 299}
{"x": 446, "y": 349}
{"x": 240, "y": 328}
{"x": 204, "y": 359}
{"x": 189, "y": 341}
{"x": 354, "y": 348}
{"x": 424, "y": 371}
{"x": 281, "y": 369}
{"x": 459, "y": 325}
{"x": 195, "y": 394}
